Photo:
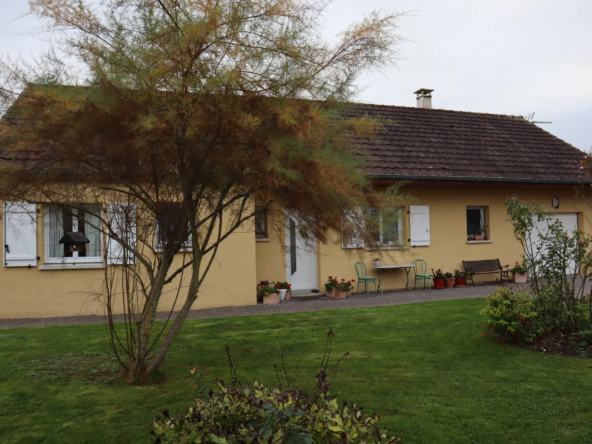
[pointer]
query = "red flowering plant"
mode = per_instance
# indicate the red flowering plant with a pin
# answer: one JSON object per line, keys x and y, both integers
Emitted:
{"x": 519, "y": 268}
{"x": 345, "y": 285}
{"x": 266, "y": 290}
{"x": 512, "y": 317}
{"x": 331, "y": 283}
{"x": 283, "y": 285}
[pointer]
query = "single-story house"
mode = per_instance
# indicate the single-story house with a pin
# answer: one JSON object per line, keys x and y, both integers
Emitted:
{"x": 459, "y": 168}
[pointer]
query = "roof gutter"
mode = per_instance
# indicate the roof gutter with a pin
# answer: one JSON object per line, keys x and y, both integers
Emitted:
{"x": 477, "y": 179}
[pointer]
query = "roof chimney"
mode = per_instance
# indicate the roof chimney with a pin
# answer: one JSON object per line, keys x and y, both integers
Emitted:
{"x": 424, "y": 98}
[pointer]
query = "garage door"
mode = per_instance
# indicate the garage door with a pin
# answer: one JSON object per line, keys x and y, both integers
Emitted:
{"x": 570, "y": 224}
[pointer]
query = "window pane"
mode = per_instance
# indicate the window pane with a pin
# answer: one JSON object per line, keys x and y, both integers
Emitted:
{"x": 373, "y": 225}
{"x": 473, "y": 221}
{"x": 93, "y": 249}
{"x": 293, "y": 266}
{"x": 390, "y": 222}
{"x": 56, "y": 232}
{"x": 261, "y": 225}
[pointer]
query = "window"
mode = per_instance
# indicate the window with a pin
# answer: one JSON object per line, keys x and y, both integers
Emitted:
{"x": 62, "y": 222}
{"x": 384, "y": 227}
{"x": 260, "y": 224}
{"x": 170, "y": 225}
{"x": 477, "y": 225}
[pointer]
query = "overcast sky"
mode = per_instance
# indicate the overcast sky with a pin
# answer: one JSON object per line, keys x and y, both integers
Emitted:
{"x": 504, "y": 56}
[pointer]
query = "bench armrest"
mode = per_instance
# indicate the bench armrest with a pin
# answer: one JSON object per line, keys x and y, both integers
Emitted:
{"x": 505, "y": 266}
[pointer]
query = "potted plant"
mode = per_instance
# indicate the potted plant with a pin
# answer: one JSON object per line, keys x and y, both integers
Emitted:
{"x": 520, "y": 273}
{"x": 439, "y": 279}
{"x": 377, "y": 263}
{"x": 271, "y": 295}
{"x": 285, "y": 291}
{"x": 331, "y": 287}
{"x": 460, "y": 279}
{"x": 481, "y": 233}
{"x": 449, "y": 280}
{"x": 343, "y": 288}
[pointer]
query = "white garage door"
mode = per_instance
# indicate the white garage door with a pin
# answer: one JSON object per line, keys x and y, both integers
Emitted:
{"x": 570, "y": 224}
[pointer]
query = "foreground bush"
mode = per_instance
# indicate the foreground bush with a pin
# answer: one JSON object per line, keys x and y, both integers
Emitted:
{"x": 238, "y": 413}
{"x": 512, "y": 317}
{"x": 257, "y": 414}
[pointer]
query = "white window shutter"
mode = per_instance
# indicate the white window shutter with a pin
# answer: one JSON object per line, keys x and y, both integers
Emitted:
{"x": 419, "y": 221}
{"x": 357, "y": 239}
{"x": 20, "y": 234}
{"x": 122, "y": 218}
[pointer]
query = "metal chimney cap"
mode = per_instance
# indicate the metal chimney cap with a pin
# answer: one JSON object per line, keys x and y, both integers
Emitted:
{"x": 423, "y": 92}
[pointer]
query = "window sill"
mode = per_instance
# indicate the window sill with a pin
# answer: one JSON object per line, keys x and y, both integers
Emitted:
{"x": 394, "y": 247}
{"x": 262, "y": 239}
{"x": 79, "y": 266}
{"x": 480, "y": 242}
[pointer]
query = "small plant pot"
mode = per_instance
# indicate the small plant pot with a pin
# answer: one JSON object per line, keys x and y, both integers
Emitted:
{"x": 348, "y": 293}
{"x": 479, "y": 237}
{"x": 520, "y": 278}
{"x": 449, "y": 282}
{"x": 460, "y": 282}
{"x": 341, "y": 294}
{"x": 283, "y": 295}
{"x": 377, "y": 263}
{"x": 288, "y": 294}
{"x": 439, "y": 284}
{"x": 272, "y": 299}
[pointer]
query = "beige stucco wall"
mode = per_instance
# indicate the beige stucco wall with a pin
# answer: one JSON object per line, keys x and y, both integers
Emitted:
{"x": 448, "y": 235}
{"x": 34, "y": 293}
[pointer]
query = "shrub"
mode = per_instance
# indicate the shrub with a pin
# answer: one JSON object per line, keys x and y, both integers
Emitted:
{"x": 239, "y": 413}
{"x": 261, "y": 414}
{"x": 511, "y": 317}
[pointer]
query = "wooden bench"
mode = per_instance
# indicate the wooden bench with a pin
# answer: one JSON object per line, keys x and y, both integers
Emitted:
{"x": 485, "y": 267}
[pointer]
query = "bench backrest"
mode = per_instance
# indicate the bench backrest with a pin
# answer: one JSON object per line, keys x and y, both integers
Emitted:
{"x": 484, "y": 265}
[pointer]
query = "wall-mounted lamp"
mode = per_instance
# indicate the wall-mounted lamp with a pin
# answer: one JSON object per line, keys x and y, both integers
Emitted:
{"x": 555, "y": 202}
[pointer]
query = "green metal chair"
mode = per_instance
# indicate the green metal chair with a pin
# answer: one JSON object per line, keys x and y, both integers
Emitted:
{"x": 420, "y": 268}
{"x": 363, "y": 278}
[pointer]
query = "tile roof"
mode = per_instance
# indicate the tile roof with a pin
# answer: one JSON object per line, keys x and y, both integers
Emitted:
{"x": 436, "y": 144}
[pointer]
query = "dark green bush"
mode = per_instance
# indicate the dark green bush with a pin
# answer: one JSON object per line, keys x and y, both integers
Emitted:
{"x": 255, "y": 413}
{"x": 512, "y": 317}
{"x": 259, "y": 414}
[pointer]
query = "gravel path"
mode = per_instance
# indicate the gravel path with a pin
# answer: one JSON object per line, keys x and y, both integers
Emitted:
{"x": 292, "y": 306}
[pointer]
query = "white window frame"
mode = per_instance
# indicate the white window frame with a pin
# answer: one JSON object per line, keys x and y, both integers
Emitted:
{"x": 381, "y": 242}
{"x": 70, "y": 260}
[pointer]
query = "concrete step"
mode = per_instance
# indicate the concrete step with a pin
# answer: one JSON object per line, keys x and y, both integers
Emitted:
{"x": 305, "y": 294}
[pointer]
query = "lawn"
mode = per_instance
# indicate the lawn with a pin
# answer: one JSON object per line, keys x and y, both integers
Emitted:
{"x": 425, "y": 367}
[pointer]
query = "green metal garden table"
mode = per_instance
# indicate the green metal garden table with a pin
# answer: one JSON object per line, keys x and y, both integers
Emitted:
{"x": 407, "y": 268}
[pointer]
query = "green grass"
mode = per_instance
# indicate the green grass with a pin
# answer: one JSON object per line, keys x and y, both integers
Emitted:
{"x": 425, "y": 367}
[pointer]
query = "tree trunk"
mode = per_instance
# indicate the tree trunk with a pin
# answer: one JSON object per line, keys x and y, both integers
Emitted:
{"x": 171, "y": 334}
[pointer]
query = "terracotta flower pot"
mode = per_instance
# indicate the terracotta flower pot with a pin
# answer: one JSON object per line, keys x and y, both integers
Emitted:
{"x": 439, "y": 284}
{"x": 460, "y": 282}
{"x": 334, "y": 292}
{"x": 272, "y": 299}
{"x": 520, "y": 278}
{"x": 479, "y": 237}
{"x": 449, "y": 282}
{"x": 288, "y": 294}
{"x": 341, "y": 294}
{"x": 348, "y": 293}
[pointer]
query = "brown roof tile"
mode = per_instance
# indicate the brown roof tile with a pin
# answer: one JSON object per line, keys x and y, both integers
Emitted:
{"x": 439, "y": 144}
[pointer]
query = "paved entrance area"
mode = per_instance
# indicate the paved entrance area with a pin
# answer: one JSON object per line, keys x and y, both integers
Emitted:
{"x": 292, "y": 306}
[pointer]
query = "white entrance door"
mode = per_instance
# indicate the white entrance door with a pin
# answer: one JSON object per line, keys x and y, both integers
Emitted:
{"x": 570, "y": 224}
{"x": 301, "y": 260}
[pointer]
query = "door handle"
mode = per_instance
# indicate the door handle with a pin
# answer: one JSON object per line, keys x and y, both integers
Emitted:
{"x": 7, "y": 249}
